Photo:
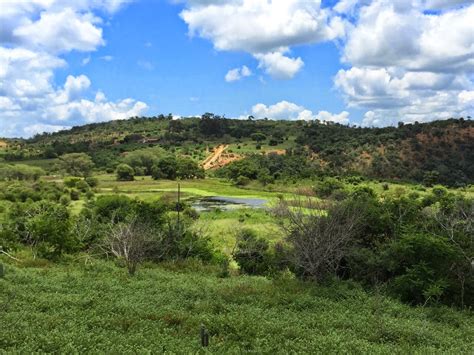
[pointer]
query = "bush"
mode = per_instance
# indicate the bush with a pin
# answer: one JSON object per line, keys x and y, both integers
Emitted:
{"x": 43, "y": 225}
{"x": 242, "y": 181}
{"x": 125, "y": 173}
{"x": 252, "y": 253}
{"x": 75, "y": 195}
{"x": 82, "y": 186}
{"x": 92, "y": 181}
{"x": 328, "y": 186}
{"x": 320, "y": 241}
{"x": 20, "y": 172}
{"x": 71, "y": 181}
{"x": 141, "y": 161}
{"x": 422, "y": 265}
{"x": 65, "y": 200}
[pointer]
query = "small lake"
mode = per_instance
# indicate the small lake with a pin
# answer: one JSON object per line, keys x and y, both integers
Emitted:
{"x": 205, "y": 204}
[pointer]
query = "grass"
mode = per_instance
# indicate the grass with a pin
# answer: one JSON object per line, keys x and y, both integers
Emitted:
{"x": 222, "y": 226}
{"x": 96, "y": 308}
{"x": 46, "y": 164}
{"x": 206, "y": 187}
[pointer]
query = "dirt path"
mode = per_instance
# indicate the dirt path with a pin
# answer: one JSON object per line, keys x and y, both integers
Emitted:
{"x": 210, "y": 161}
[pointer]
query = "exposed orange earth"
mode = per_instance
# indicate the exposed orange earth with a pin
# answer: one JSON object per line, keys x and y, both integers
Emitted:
{"x": 218, "y": 158}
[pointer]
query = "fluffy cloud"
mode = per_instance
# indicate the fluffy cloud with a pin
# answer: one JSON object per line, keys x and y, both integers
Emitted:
{"x": 266, "y": 29}
{"x": 386, "y": 35}
{"x": 409, "y": 64}
{"x": 62, "y": 31}
{"x": 325, "y": 116}
{"x": 285, "y": 110}
{"x": 237, "y": 74}
{"x": 278, "y": 66}
{"x": 33, "y": 36}
{"x": 41, "y": 127}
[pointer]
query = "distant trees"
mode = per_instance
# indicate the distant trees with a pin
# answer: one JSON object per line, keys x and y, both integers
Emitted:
{"x": 268, "y": 168}
{"x": 171, "y": 167}
{"x": 142, "y": 161}
{"x": 20, "y": 172}
{"x": 77, "y": 164}
{"x": 258, "y": 137}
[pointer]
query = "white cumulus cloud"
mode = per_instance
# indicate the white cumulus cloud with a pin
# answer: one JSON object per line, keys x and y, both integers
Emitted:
{"x": 237, "y": 74}
{"x": 33, "y": 38}
{"x": 408, "y": 64}
{"x": 285, "y": 110}
{"x": 264, "y": 28}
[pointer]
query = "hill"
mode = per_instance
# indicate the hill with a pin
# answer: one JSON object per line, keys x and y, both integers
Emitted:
{"x": 435, "y": 152}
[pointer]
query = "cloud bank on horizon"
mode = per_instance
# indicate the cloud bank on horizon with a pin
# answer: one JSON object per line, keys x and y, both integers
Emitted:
{"x": 406, "y": 60}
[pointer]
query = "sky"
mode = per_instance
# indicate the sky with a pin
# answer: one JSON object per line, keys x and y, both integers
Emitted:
{"x": 369, "y": 62}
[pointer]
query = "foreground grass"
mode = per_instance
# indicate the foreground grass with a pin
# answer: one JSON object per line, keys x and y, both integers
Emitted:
{"x": 96, "y": 308}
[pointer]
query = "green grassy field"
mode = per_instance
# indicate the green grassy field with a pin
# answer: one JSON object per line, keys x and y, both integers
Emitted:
{"x": 146, "y": 187}
{"x": 94, "y": 307}
{"x": 223, "y": 226}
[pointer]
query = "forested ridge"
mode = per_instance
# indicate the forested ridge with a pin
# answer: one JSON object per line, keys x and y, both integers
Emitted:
{"x": 434, "y": 152}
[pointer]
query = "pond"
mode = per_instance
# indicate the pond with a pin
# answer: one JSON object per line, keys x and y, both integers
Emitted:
{"x": 206, "y": 204}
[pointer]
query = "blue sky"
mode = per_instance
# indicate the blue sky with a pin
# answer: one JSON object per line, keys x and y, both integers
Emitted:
{"x": 155, "y": 60}
{"x": 372, "y": 62}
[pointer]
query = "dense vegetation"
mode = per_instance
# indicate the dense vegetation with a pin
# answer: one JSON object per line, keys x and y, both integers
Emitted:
{"x": 90, "y": 306}
{"x": 436, "y": 152}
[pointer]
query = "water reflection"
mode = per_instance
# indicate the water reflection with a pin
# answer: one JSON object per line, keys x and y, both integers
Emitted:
{"x": 206, "y": 204}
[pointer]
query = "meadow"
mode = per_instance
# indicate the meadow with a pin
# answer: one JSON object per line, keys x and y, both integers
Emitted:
{"x": 87, "y": 305}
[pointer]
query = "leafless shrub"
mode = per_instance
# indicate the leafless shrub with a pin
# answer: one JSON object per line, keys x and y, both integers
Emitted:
{"x": 320, "y": 234}
{"x": 131, "y": 241}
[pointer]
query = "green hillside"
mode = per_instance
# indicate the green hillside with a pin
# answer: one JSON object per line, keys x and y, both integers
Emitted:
{"x": 435, "y": 152}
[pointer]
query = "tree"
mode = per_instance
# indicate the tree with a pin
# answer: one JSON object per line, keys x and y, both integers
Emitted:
{"x": 258, "y": 137}
{"x": 141, "y": 161}
{"x": 44, "y": 225}
{"x": 320, "y": 235}
{"x": 129, "y": 241}
{"x": 125, "y": 173}
{"x": 77, "y": 164}
{"x": 166, "y": 168}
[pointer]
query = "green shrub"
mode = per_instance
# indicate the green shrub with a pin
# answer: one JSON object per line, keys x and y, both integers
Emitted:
{"x": 125, "y": 173}
{"x": 77, "y": 164}
{"x": 252, "y": 253}
{"x": 71, "y": 181}
{"x": 422, "y": 264}
{"x": 328, "y": 186}
{"x": 75, "y": 195}
{"x": 242, "y": 181}
{"x": 92, "y": 181}
{"x": 65, "y": 200}
{"x": 82, "y": 186}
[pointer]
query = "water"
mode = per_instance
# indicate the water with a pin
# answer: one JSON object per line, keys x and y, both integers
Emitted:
{"x": 206, "y": 204}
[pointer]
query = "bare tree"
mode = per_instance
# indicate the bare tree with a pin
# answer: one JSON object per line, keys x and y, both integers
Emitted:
{"x": 320, "y": 234}
{"x": 131, "y": 241}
